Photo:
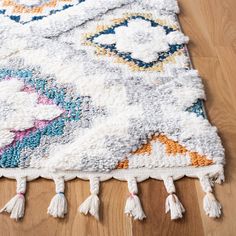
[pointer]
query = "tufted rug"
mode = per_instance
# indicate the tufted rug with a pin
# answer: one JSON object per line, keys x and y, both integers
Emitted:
{"x": 97, "y": 90}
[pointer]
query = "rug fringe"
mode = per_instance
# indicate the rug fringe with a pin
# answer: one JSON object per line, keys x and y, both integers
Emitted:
{"x": 16, "y": 206}
{"x": 172, "y": 205}
{"x": 58, "y": 204}
{"x": 133, "y": 205}
{"x": 211, "y": 206}
{"x": 91, "y": 204}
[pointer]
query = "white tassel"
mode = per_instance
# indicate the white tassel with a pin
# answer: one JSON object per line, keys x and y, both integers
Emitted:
{"x": 16, "y": 206}
{"x": 58, "y": 204}
{"x": 133, "y": 205}
{"x": 211, "y": 206}
{"x": 91, "y": 204}
{"x": 173, "y": 205}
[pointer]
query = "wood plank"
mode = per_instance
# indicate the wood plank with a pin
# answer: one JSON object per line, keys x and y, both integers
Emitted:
{"x": 194, "y": 25}
{"x": 220, "y": 20}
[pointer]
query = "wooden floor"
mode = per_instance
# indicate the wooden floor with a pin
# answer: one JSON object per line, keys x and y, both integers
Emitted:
{"x": 211, "y": 26}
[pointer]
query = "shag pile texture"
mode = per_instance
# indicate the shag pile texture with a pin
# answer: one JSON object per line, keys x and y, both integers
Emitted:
{"x": 102, "y": 89}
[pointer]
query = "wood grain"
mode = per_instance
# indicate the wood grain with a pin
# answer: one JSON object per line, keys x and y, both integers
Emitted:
{"x": 211, "y": 26}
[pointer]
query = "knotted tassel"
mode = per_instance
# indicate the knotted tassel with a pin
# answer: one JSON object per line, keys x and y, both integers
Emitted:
{"x": 133, "y": 205}
{"x": 58, "y": 204}
{"x": 211, "y": 206}
{"x": 173, "y": 205}
{"x": 91, "y": 204}
{"x": 16, "y": 206}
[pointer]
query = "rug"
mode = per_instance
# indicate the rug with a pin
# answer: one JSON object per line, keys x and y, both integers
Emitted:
{"x": 98, "y": 90}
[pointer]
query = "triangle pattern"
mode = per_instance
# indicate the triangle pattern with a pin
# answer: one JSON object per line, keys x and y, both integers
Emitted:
{"x": 172, "y": 148}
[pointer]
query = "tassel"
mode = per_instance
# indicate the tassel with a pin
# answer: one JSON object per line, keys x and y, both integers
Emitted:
{"x": 133, "y": 205}
{"x": 211, "y": 206}
{"x": 91, "y": 204}
{"x": 16, "y": 206}
{"x": 58, "y": 204}
{"x": 173, "y": 205}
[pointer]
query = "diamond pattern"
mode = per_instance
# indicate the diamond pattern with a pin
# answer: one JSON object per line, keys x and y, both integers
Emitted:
{"x": 126, "y": 57}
